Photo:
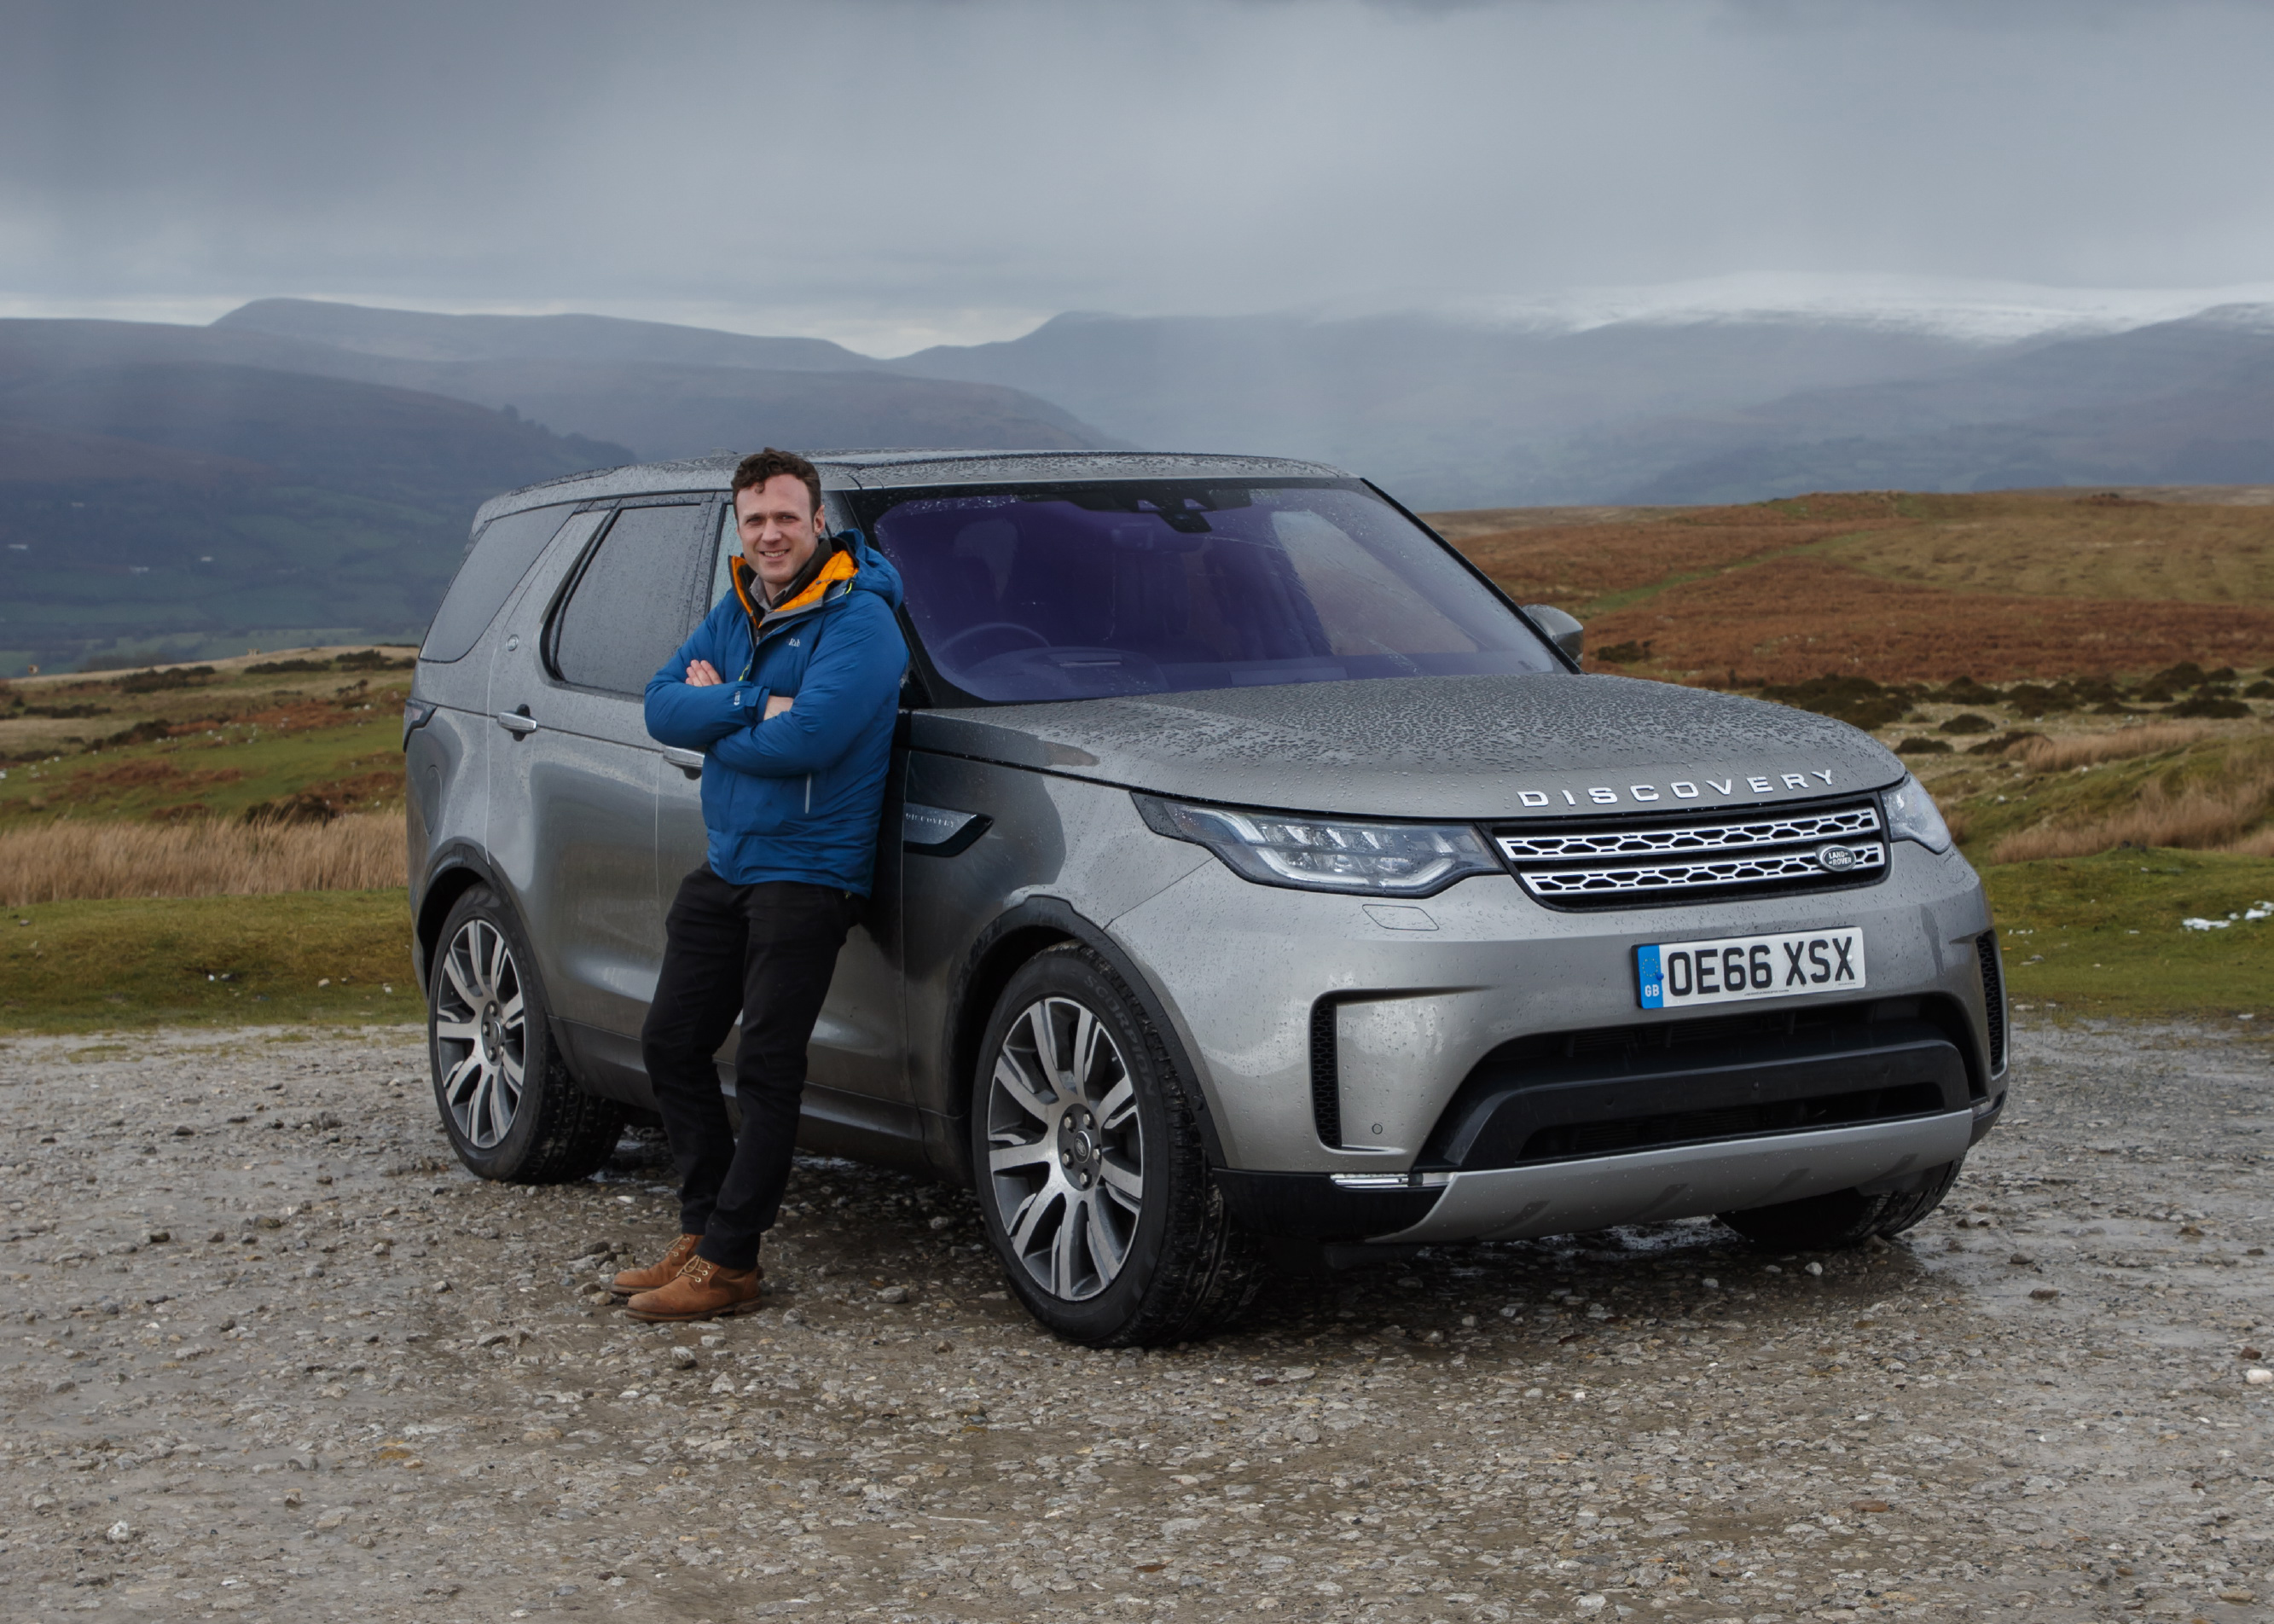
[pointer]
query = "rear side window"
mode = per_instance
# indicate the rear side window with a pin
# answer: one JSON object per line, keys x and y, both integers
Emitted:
{"x": 498, "y": 558}
{"x": 629, "y": 606}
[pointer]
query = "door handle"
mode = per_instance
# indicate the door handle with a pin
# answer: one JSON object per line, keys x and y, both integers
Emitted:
{"x": 689, "y": 762}
{"x": 517, "y": 722}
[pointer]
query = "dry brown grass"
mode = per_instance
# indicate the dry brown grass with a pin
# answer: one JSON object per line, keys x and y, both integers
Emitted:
{"x": 1578, "y": 566}
{"x": 71, "y": 861}
{"x": 1787, "y": 619}
{"x": 2203, "y": 816}
{"x": 2090, "y": 750}
{"x": 1901, "y": 588}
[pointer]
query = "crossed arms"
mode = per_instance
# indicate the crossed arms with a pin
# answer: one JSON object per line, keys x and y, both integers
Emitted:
{"x": 854, "y": 673}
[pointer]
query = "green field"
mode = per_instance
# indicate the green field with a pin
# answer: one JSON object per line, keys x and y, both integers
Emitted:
{"x": 2096, "y": 935}
{"x": 2101, "y": 935}
{"x": 323, "y": 956}
{"x": 218, "y": 741}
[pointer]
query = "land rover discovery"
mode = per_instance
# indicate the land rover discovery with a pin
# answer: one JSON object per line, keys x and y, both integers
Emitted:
{"x": 1259, "y": 884}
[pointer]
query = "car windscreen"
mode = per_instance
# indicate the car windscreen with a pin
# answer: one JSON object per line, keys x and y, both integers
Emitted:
{"x": 1088, "y": 591}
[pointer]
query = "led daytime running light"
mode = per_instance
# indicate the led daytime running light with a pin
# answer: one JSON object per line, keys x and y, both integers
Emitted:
{"x": 1338, "y": 854}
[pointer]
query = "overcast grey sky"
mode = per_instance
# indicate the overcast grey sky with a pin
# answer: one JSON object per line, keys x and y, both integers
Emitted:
{"x": 893, "y": 171}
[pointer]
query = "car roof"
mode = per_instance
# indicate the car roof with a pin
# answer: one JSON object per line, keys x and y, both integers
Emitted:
{"x": 860, "y": 470}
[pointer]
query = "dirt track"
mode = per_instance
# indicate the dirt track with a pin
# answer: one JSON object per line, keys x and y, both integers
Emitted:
{"x": 267, "y": 1354}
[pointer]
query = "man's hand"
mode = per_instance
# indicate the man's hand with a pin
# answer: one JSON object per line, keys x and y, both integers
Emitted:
{"x": 703, "y": 674}
{"x": 775, "y": 703}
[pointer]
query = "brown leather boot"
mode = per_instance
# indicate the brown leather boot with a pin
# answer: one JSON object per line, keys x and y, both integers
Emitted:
{"x": 635, "y": 1280}
{"x": 701, "y": 1290}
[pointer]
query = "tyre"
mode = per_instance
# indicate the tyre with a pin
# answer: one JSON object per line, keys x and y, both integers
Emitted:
{"x": 508, "y": 1102}
{"x": 1093, "y": 1182}
{"x": 1844, "y": 1218}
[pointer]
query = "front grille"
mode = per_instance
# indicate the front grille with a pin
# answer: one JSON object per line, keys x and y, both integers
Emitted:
{"x": 1644, "y": 1041}
{"x": 1619, "y": 863}
{"x": 1838, "y": 1110}
{"x": 1993, "y": 997}
{"x": 1689, "y": 838}
{"x": 1749, "y": 1073}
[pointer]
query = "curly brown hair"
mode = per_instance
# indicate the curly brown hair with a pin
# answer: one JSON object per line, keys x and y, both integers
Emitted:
{"x": 760, "y": 466}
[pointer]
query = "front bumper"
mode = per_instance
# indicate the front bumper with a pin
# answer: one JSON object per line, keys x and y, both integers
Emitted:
{"x": 1371, "y": 1074}
{"x": 1506, "y": 1204}
{"x": 1682, "y": 1180}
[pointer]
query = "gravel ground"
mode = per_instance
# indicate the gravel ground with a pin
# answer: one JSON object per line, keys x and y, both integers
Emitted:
{"x": 264, "y": 1351}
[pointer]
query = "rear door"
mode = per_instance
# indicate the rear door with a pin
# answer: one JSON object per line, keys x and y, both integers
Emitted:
{"x": 574, "y": 774}
{"x": 856, "y": 1099}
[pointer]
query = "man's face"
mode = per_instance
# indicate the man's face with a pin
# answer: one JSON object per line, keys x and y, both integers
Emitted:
{"x": 779, "y": 528}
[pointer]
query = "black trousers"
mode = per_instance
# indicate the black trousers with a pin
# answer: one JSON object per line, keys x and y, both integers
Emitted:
{"x": 766, "y": 952}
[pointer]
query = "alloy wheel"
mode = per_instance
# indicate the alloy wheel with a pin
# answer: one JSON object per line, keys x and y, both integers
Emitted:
{"x": 480, "y": 1033}
{"x": 1066, "y": 1151}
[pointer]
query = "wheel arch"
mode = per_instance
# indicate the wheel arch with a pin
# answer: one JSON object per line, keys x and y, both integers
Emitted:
{"x": 458, "y": 868}
{"x": 1011, "y": 940}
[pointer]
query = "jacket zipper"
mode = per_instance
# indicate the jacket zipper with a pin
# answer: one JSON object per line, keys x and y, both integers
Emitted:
{"x": 809, "y": 792}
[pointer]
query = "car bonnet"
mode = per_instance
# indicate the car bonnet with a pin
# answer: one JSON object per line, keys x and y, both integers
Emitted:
{"x": 1481, "y": 747}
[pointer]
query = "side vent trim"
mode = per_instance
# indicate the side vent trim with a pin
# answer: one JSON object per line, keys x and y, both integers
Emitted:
{"x": 1993, "y": 997}
{"x": 1325, "y": 1074}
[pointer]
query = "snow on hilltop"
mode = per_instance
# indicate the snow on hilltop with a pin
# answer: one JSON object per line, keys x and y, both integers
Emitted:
{"x": 1982, "y": 312}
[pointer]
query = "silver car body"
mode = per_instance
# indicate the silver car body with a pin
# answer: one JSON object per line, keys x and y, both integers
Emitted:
{"x": 1372, "y": 1072}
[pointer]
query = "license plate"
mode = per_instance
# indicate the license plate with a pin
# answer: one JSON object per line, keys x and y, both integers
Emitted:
{"x": 1680, "y": 975}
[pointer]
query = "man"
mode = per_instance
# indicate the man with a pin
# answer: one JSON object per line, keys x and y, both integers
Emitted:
{"x": 790, "y": 689}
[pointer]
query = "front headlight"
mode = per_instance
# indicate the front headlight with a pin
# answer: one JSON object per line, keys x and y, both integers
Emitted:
{"x": 1272, "y": 848}
{"x": 1913, "y": 815}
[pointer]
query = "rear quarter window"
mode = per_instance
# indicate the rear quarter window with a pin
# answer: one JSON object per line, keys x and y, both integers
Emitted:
{"x": 498, "y": 558}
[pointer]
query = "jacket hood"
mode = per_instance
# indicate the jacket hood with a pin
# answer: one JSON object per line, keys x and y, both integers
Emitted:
{"x": 1551, "y": 745}
{"x": 849, "y": 564}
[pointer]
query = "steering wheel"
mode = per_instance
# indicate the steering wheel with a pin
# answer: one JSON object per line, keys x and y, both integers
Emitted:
{"x": 945, "y": 653}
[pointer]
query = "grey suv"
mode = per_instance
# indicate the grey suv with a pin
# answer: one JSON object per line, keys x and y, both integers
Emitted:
{"x": 1262, "y": 887}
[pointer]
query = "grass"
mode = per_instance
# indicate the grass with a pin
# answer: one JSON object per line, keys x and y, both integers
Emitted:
{"x": 2145, "y": 785}
{"x": 2197, "y": 816}
{"x": 79, "y": 860}
{"x": 1901, "y": 586}
{"x": 209, "y": 742}
{"x": 81, "y": 966}
{"x": 316, "y": 737}
{"x": 2101, "y": 935}
{"x": 2042, "y": 754}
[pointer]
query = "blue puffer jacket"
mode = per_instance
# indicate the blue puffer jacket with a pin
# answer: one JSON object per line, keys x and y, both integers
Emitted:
{"x": 796, "y": 798}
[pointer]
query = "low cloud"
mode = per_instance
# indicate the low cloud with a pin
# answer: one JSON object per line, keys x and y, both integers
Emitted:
{"x": 893, "y": 171}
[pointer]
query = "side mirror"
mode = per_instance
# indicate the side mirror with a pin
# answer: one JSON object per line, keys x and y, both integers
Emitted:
{"x": 1562, "y": 630}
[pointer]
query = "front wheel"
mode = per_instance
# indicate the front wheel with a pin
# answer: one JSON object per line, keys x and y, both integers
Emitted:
{"x": 1093, "y": 1181}
{"x": 507, "y": 1099}
{"x": 1844, "y": 1218}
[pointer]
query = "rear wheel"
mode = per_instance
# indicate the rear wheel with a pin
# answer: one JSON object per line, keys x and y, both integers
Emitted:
{"x": 507, "y": 1100}
{"x": 1844, "y": 1218}
{"x": 1092, "y": 1179}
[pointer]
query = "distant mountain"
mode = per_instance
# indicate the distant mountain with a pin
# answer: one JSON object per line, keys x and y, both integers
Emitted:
{"x": 195, "y": 485}
{"x": 663, "y": 411}
{"x": 193, "y": 502}
{"x": 1445, "y": 414}
{"x": 664, "y": 391}
{"x": 416, "y": 336}
{"x": 1711, "y": 392}
{"x": 304, "y": 464}
{"x": 366, "y": 439}
{"x": 2184, "y": 402}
